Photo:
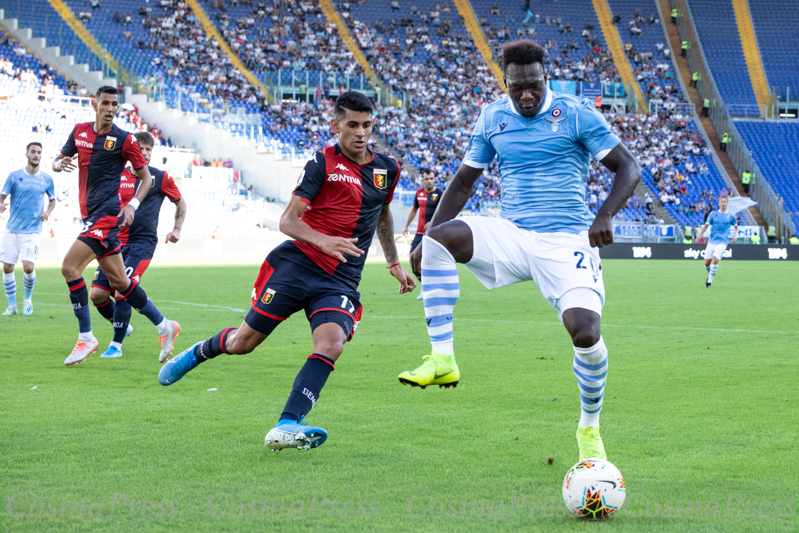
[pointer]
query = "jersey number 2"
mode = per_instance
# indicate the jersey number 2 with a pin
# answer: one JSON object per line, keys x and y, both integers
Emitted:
{"x": 579, "y": 261}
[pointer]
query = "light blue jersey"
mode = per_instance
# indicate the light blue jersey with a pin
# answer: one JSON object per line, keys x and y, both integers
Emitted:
{"x": 720, "y": 225}
{"x": 543, "y": 161}
{"x": 27, "y": 204}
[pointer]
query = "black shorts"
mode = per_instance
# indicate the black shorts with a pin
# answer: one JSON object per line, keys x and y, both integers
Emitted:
{"x": 417, "y": 240}
{"x": 100, "y": 234}
{"x": 137, "y": 258}
{"x": 284, "y": 287}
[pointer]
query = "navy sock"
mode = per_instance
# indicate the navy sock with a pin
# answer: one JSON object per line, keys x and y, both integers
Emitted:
{"x": 307, "y": 386}
{"x": 213, "y": 346}
{"x": 106, "y": 309}
{"x": 122, "y": 313}
{"x": 137, "y": 299}
{"x": 79, "y": 297}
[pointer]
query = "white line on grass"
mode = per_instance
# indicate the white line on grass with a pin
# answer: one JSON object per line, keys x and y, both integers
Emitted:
{"x": 678, "y": 328}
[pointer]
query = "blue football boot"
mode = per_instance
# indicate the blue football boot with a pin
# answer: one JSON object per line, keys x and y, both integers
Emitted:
{"x": 112, "y": 353}
{"x": 293, "y": 434}
{"x": 178, "y": 366}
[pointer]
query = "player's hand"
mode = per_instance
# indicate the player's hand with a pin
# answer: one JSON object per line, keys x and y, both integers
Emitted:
{"x": 407, "y": 283}
{"x": 68, "y": 164}
{"x": 128, "y": 214}
{"x": 734, "y": 239}
{"x": 2, "y": 207}
{"x": 601, "y": 232}
{"x": 416, "y": 261}
{"x": 43, "y": 216}
{"x": 338, "y": 246}
{"x": 172, "y": 236}
{"x": 404, "y": 231}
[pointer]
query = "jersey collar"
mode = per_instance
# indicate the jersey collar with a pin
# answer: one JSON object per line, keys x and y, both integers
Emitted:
{"x": 544, "y": 107}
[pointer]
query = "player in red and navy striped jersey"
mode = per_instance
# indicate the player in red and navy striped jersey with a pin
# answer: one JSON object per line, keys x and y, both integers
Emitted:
{"x": 342, "y": 196}
{"x": 425, "y": 203}
{"x": 102, "y": 149}
{"x": 139, "y": 241}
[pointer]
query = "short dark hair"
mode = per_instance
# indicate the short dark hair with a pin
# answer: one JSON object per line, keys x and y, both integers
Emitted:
{"x": 144, "y": 137}
{"x": 428, "y": 171}
{"x": 522, "y": 52}
{"x": 106, "y": 89}
{"x": 34, "y": 144}
{"x": 354, "y": 101}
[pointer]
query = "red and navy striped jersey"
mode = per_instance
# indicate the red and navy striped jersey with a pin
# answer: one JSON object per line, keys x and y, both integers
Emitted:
{"x": 345, "y": 200}
{"x": 145, "y": 225}
{"x": 101, "y": 159}
{"x": 426, "y": 204}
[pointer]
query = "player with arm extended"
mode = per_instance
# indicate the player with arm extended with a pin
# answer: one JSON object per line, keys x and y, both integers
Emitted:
{"x": 544, "y": 141}
{"x": 102, "y": 150}
{"x": 139, "y": 241}
{"x": 720, "y": 222}
{"x": 425, "y": 202}
{"x": 26, "y": 187}
{"x": 342, "y": 196}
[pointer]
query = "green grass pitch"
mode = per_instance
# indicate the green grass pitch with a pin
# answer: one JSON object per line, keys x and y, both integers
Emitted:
{"x": 700, "y": 412}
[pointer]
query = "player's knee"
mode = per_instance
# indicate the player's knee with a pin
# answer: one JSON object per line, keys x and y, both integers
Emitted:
{"x": 70, "y": 272}
{"x": 329, "y": 348}
{"x": 8, "y": 269}
{"x": 98, "y": 296}
{"x": 587, "y": 335}
{"x": 28, "y": 269}
{"x": 456, "y": 237}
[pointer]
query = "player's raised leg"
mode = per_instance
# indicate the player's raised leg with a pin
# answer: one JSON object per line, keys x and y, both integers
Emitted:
{"x": 76, "y": 260}
{"x": 441, "y": 288}
{"x": 590, "y": 367}
{"x": 10, "y": 286}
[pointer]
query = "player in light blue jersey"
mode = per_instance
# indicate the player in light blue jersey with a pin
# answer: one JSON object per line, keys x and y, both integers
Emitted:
{"x": 544, "y": 142}
{"x": 720, "y": 222}
{"x": 26, "y": 187}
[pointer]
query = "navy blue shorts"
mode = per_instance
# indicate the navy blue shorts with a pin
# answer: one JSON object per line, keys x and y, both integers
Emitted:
{"x": 137, "y": 258}
{"x": 100, "y": 234}
{"x": 284, "y": 287}
{"x": 417, "y": 240}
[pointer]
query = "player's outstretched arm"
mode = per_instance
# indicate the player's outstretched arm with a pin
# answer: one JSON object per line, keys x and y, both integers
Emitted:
{"x": 621, "y": 162}
{"x": 294, "y": 227}
{"x": 456, "y": 195}
{"x": 385, "y": 233}
{"x": 180, "y": 216}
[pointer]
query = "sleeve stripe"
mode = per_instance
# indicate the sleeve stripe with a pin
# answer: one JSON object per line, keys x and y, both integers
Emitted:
{"x": 474, "y": 164}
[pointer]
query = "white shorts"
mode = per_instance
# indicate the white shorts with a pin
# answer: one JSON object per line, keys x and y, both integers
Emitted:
{"x": 20, "y": 246}
{"x": 715, "y": 250}
{"x": 558, "y": 263}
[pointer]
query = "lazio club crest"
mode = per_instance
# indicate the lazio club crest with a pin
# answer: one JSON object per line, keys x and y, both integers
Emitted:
{"x": 554, "y": 121}
{"x": 267, "y": 297}
{"x": 110, "y": 142}
{"x": 380, "y": 177}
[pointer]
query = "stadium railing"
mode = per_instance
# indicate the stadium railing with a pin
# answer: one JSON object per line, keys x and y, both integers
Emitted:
{"x": 768, "y": 203}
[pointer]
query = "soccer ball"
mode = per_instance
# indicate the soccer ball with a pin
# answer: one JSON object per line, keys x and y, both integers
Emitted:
{"x": 593, "y": 489}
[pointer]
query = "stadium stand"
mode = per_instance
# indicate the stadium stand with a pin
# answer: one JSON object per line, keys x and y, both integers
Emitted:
{"x": 716, "y": 26}
{"x": 774, "y": 146}
{"x": 776, "y": 24}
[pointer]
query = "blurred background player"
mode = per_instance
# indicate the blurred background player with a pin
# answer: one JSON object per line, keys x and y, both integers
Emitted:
{"x": 139, "y": 241}
{"x": 102, "y": 150}
{"x": 26, "y": 186}
{"x": 342, "y": 196}
{"x": 544, "y": 141}
{"x": 720, "y": 222}
{"x": 425, "y": 202}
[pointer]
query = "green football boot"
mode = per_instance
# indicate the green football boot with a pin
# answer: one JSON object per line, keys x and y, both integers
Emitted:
{"x": 590, "y": 444}
{"x": 437, "y": 369}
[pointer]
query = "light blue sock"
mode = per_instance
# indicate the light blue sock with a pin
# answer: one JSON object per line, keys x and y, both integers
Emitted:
{"x": 29, "y": 280}
{"x": 591, "y": 369}
{"x": 440, "y": 288}
{"x": 10, "y": 285}
{"x": 713, "y": 269}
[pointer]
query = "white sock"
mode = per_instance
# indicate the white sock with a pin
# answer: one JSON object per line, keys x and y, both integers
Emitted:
{"x": 163, "y": 327}
{"x": 29, "y": 280}
{"x": 591, "y": 369}
{"x": 713, "y": 269}
{"x": 10, "y": 285}
{"x": 440, "y": 288}
{"x": 86, "y": 337}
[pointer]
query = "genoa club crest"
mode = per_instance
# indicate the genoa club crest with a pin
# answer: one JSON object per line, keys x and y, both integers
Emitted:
{"x": 267, "y": 297}
{"x": 380, "y": 177}
{"x": 110, "y": 142}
